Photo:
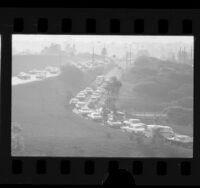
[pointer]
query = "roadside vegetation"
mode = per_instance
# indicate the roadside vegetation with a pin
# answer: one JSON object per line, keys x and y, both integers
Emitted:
{"x": 160, "y": 87}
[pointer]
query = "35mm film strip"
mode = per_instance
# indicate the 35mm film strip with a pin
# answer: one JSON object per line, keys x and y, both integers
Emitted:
{"x": 50, "y": 168}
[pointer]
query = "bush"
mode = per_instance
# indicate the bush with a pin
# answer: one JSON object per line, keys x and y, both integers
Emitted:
{"x": 17, "y": 140}
{"x": 185, "y": 102}
{"x": 150, "y": 89}
{"x": 179, "y": 116}
{"x": 183, "y": 91}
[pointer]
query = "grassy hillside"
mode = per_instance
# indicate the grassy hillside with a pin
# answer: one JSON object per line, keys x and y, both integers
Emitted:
{"x": 156, "y": 86}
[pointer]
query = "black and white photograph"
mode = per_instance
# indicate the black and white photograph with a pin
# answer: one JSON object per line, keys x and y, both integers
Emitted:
{"x": 102, "y": 96}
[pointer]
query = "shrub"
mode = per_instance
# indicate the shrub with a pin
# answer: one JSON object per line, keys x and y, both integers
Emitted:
{"x": 179, "y": 116}
{"x": 17, "y": 140}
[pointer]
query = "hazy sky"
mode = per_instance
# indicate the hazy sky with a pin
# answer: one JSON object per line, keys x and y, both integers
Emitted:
{"x": 35, "y": 43}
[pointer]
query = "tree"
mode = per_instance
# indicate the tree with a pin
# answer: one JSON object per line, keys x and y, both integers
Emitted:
{"x": 179, "y": 116}
{"x": 105, "y": 112}
{"x": 113, "y": 89}
{"x": 52, "y": 49}
{"x": 104, "y": 53}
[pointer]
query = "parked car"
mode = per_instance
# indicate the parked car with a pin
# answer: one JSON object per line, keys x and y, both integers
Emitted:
{"x": 80, "y": 96}
{"x": 80, "y": 104}
{"x": 52, "y": 70}
{"x": 24, "y": 76}
{"x": 73, "y": 101}
{"x": 114, "y": 124}
{"x": 41, "y": 75}
{"x": 158, "y": 134}
{"x": 33, "y": 72}
{"x": 95, "y": 97}
{"x": 140, "y": 127}
{"x": 182, "y": 140}
{"x": 83, "y": 92}
{"x": 88, "y": 89}
{"x": 95, "y": 116}
{"x": 131, "y": 121}
{"x": 84, "y": 111}
{"x": 165, "y": 131}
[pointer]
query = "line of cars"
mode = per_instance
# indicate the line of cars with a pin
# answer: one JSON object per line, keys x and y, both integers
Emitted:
{"x": 88, "y": 104}
{"x": 38, "y": 74}
{"x": 88, "y": 65}
{"x": 154, "y": 134}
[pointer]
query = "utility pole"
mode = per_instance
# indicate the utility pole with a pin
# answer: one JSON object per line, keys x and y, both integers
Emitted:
{"x": 126, "y": 60}
{"x": 93, "y": 55}
{"x": 130, "y": 54}
{"x": 104, "y": 58}
{"x": 60, "y": 58}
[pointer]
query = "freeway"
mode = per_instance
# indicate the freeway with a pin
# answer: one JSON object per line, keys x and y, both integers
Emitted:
{"x": 33, "y": 78}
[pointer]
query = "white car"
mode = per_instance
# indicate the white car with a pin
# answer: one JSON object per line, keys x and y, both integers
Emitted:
{"x": 73, "y": 101}
{"x": 181, "y": 140}
{"x": 80, "y": 96}
{"x": 95, "y": 116}
{"x": 104, "y": 85}
{"x": 95, "y": 97}
{"x": 135, "y": 130}
{"x": 83, "y": 92}
{"x": 24, "y": 76}
{"x": 55, "y": 71}
{"x": 34, "y": 71}
{"x": 165, "y": 131}
{"x": 141, "y": 127}
{"x": 88, "y": 89}
{"x": 80, "y": 104}
{"x": 41, "y": 74}
{"x": 131, "y": 121}
{"x": 85, "y": 111}
{"x": 114, "y": 124}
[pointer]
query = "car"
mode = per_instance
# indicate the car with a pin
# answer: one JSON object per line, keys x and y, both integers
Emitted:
{"x": 84, "y": 111}
{"x": 104, "y": 85}
{"x": 97, "y": 93}
{"x": 138, "y": 125}
{"x": 92, "y": 103}
{"x": 41, "y": 74}
{"x": 80, "y": 96}
{"x": 181, "y": 140}
{"x": 114, "y": 124}
{"x": 83, "y": 92}
{"x": 88, "y": 89}
{"x": 80, "y": 104}
{"x": 164, "y": 131}
{"x": 54, "y": 71}
{"x": 135, "y": 130}
{"x": 24, "y": 76}
{"x": 99, "y": 80}
{"x": 131, "y": 121}
{"x": 96, "y": 116}
{"x": 95, "y": 97}
{"x": 73, "y": 101}
{"x": 33, "y": 72}
{"x": 130, "y": 127}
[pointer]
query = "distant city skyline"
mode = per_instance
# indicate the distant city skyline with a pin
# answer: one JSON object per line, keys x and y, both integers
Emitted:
{"x": 117, "y": 44}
